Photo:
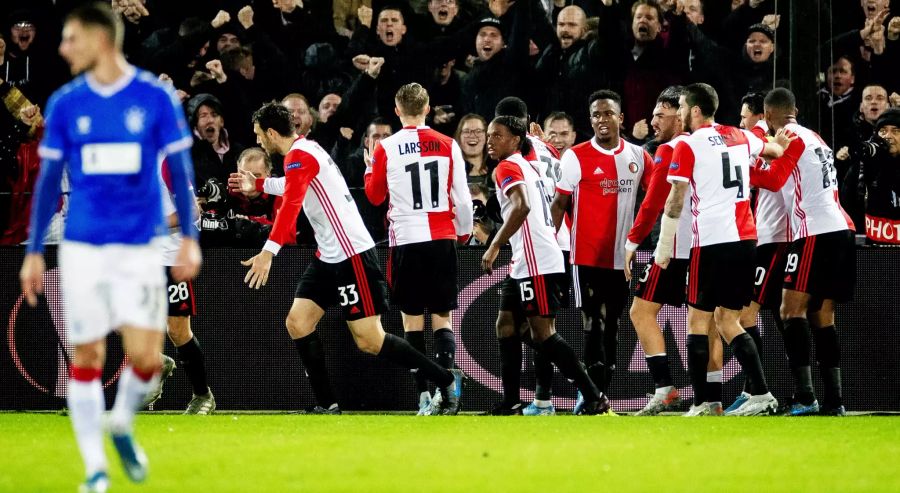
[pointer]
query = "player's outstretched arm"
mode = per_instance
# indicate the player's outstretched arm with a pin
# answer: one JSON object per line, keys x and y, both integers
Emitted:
{"x": 519, "y": 209}
{"x": 781, "y": 168}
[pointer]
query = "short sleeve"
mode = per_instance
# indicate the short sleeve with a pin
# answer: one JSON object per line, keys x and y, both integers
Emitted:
{"x": 682, "y": 166}
{"x": 754, "y": 143}
{"x": 172, "y": 129}
{"x": 570, "y": 173}
{"x": 508, "y": 175}
{"x": 53, "y": 145}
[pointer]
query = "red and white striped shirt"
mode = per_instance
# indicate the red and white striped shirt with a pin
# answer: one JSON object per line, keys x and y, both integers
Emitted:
{"x": 603, "y": 184}
{"x": 770, "y": 211}
{"x": 655, "y": 201}
{"x": 545, "y": 159}
{"x": 424, "y": 174}
{"x": 813, "y": 198}
{"x": 534, "y": 248}
{"x": 312, "y": 180}
{"x": 715, "y": 160}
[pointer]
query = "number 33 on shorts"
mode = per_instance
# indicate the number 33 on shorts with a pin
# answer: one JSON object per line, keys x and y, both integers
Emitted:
{"x": 348, "y": 295}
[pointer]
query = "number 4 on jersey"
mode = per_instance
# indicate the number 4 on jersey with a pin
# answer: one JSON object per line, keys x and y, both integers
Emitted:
{"x": 727, "y": 182}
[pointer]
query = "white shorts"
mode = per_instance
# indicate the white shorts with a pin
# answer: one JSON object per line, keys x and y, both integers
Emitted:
{"x": 110, "y": 286}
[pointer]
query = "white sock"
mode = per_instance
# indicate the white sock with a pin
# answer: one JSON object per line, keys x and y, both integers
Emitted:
{"x": 86, "y": 405}
{"x": 664, "y": 391}
{"x": 129, "y": 397}
{"x": 542, "y": 403}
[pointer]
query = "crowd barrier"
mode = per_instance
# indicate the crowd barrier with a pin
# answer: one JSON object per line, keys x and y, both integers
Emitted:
{"x": 253, "y": 365}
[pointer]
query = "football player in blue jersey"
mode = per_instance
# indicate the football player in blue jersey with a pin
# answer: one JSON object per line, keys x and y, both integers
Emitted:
{"x": 106, "y": 129}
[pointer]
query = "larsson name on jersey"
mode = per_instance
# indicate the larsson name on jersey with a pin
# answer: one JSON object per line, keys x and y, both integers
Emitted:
{"x": 424, "y": 146}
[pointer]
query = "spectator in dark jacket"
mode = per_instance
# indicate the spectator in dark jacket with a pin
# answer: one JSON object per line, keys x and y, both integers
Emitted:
{"x": 647, "y": 62}
{"x": 839, "y": 101}
{"x": 31, "y": 63}
{"x": 501, "y": 68}
{"x": 405, "y": 59}
{"x": 849, "y": 159}
{"x": 573, "y": 67}
{"x": 214, "y": 153}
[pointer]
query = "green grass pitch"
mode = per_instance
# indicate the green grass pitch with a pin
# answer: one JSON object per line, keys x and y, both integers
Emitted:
{"x": 391, "y": 453}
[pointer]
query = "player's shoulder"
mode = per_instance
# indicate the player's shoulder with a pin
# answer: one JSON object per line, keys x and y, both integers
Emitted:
{"x": 149, "y": 84}
{"x": 583, "y": 149}
{"x": 72, "y": 89}
{"x": 306, "y": 150}
{"x": 633, "y": 150}
{"x": 542, "y": 147}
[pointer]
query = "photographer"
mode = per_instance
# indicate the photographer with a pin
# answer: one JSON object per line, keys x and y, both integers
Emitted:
{"x": 484, "y": 227}
{"x": 882, "y": 177}
{"x": 848, "y": 159}
{"x": 233, "y": 219}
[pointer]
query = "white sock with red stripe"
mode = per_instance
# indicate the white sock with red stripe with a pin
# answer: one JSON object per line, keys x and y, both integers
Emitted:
{"x": 133, "y": 387}
{"x": 86, "y": 405}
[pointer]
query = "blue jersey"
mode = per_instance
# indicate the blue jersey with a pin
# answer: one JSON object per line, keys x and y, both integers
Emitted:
{"x": 111, "y": 139}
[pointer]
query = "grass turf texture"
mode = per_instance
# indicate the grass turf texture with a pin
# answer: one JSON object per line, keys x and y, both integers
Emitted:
{"x": 368, "y": 453}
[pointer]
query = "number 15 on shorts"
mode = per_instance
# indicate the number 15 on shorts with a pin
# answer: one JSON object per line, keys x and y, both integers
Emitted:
{"x": 526, "y": 292}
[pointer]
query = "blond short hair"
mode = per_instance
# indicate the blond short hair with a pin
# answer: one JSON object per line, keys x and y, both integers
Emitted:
{"x": 412, "y": 99}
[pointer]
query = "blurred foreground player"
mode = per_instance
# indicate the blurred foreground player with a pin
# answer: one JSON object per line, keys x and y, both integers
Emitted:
{"x": 537, "y": 261}
{"x": 345, "y": 270}
{"x": 107, "y": 128}
{"x": 422, "y": 174}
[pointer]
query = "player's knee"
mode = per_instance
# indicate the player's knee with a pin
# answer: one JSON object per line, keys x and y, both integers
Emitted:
{"x": 369, "y": 344}
{"x": 505, "y": 325}
{"x": 298, "y": 326}
{"x": 146, "y": 359}
{"x": 640, "y": 314}
{"x": 89, "y": 356}
{"x": 179, "y": 330}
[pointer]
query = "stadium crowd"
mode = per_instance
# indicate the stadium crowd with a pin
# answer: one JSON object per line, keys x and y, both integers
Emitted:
{"x": 336, "y": 64}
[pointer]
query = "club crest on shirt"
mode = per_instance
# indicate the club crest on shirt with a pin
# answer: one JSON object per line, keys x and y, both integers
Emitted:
{"x": 84, "y": 124}
{"x": 134, "y": 120}
{"x": 633, "y": 167}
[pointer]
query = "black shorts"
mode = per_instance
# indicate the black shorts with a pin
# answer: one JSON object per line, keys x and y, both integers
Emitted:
{"x": 721, "y": 275}
{"x": 664, "y": 286}
{"x": 423, "y": 276}
{"x": 823, "y": 266}
{"x": 180, "y": 296}
{"x": 510, "y": 296}
{"x": 596, "y": 287}
{"x": 770, "y": 261}
{"x": 356, "y": 285}
{"x": 541, "y": 296}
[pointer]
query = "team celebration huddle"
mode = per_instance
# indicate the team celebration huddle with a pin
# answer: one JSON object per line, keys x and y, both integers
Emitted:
{"x": 741, "y": 219}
